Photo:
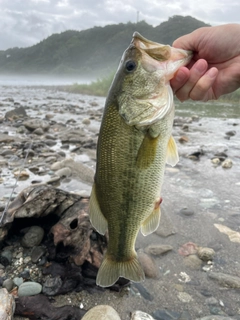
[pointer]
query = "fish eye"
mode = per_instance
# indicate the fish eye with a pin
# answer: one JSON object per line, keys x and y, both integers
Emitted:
{"x": 130, "y": 65}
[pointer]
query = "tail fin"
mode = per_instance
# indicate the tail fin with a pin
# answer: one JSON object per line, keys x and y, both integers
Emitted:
{"x": 111, "y": 270}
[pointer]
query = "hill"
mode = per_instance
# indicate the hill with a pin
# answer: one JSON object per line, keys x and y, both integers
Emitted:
{"x": 94, "y": 51}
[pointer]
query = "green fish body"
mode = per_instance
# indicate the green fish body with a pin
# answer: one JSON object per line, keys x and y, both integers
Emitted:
{"x": 134, "y": 144}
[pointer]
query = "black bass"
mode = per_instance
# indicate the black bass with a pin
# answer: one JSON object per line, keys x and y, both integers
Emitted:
{"x": 134, "y": 144}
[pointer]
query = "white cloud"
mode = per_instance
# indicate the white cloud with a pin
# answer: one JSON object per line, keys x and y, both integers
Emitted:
{"x": 24, "y": 23}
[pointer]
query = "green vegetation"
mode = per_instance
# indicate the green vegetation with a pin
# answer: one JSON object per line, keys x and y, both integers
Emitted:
{"x": 231, "y": 97}
{"x": 93, "y": 52}
{"x": 96, "y": 88}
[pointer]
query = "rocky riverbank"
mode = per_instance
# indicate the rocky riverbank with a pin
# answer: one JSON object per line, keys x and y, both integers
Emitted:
{"x": 48, "y": 138}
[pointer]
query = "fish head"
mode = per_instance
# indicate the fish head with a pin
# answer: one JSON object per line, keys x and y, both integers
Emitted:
{"x": 141, "y": 85}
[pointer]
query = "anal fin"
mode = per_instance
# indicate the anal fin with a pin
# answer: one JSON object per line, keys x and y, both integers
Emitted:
{"x": 96, "y": 217}
{"x": 172, "y": 152}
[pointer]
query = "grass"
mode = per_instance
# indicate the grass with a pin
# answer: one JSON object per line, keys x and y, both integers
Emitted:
{"x": 99, "y": 87}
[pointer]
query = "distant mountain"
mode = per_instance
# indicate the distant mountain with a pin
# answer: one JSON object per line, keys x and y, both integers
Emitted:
{"x": 93, "y": 52}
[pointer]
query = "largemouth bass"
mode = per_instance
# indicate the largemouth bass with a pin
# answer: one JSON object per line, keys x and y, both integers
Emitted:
{"x": 134, "y": 144}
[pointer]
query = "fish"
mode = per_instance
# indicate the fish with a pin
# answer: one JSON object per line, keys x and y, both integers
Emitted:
{"x": 134, "y": 144}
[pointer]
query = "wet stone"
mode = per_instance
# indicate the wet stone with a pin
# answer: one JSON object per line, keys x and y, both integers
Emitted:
{"x": 7, "y": 305}
{"x": 8, "y": 284}
{"x": 7, "y": 254}
{"x": 205, "y": 254}
{"x": 18, "y": 281}
{"x": 64, "y": 172}
{"x": 50, "y": 143}
{"x": 184, "y": 297}
{"x": 34, "y": 124}
{"x": 52, "y": 286}
{"x": 139, "y": 315}
{"x": 186, "y": 212}
{"x": 225, "y": 279}
{"x": 165, "y": 315}
{"x": 16, "y": 113}
{"x": 38, "y": 131}
{"x": 211, "y": 301}
{"x": 25, "y": 274}
{"x": 33, "y": 237}
{"x": 102, "y": 312}
{"x": 231, "y": 133}
{"x": 37, "y": 253}
{"x": 157, "y": 250}
{"x": 227, "y": 164}
{"x": 185, "y": 316}
{"x": 149, "y": 266}
{"x": 193, "y": 262}
{"x": 29, "y": 288}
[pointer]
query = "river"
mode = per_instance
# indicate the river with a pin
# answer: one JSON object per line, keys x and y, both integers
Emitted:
{"x": 198, "y": 197}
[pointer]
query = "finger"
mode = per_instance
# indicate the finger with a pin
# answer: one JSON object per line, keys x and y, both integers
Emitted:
{"x": 180, "y": 78}
{"x": 196, "y": 72}
{"x": 202, "y": 89}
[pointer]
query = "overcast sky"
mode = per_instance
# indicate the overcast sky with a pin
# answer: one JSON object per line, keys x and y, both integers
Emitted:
{"x": 26, "y": 22}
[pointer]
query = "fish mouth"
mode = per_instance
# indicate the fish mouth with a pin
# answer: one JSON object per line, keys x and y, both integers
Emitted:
{"x": 156, "y": 56}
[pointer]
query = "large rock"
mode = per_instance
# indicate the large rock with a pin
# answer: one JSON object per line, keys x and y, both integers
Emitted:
{"x": 7, "y": 305}
{"x": 101, "y": 312}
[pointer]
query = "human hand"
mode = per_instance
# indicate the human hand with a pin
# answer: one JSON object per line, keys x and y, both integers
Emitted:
{"x": 215, "y": 67}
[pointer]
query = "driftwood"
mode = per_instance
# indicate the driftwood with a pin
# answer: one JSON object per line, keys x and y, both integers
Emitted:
{"x": 73, "y": 229}
{"x": 73, "y": 250}
{"x": 39, "y": 307}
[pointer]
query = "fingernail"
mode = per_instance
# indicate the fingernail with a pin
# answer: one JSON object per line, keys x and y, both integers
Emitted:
{"x": 180, "y": 76}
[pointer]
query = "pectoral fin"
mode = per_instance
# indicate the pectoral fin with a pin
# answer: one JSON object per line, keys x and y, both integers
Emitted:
{"x": 96, "y": 217}
{"x": 147, "y": 152}
{"x": 152, "y": 221}
{"x": 172, "y": 153}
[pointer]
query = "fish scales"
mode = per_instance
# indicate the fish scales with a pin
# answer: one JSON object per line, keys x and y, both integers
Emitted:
{"x": 134, "y": 144}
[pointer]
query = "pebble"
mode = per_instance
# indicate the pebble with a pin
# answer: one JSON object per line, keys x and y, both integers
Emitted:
{"x": 33, "y": 237}
{"x": 215, "y": 161}
{"x": 227, "y": 164}
{"x": 38, "y": 131}
{"x": 193, "y": 262}
{"x": 211, "y": 301}
{"x": 149, "y": 266}
{"x": 18, "y": 281}
{"x": 186, "y": 212}
{"x": 86, "y": 121}
{"x": 225, "y": 279}
{"x": 205, "y": 254}
{"x": 166, "y": 227}
{"x": 64, "y": 172}
{"x": 165, "y": 315}
{"x": 139, "y": 315}
{"x": 25, "y": 274}
{"x": 185, "y": 316}
{"x": 37, "y": 253}
{"x": 7, "y": 254}
{"x": 29, "y": 288}
{"x": 52, "y": 286}
{"x": 34, "y": 124}
{"x": 8, "y": 284}
{"x": 231, "y": 133}
{"x": 184, "y": 297}
{"x": 158, "y": 249}
{"x": 101, "y": 312}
